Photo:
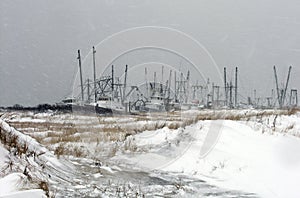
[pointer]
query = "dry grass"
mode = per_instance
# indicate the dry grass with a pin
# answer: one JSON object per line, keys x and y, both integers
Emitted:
{"x": 293, "y": 110}
{"x": 59, "y": 150}
{"x": 188, "y": 122}
{"x": 10, "y": 141}
{"x": 289, "y": 128}
{"x": 130, "y": 145}
{"x": 111, "y": 129}
{"x": 62, "y": 149}
{"x": 60, "y": 130}
{"x": 69, "y": 139}
{"x": 174, "y": 125}
{"x": 45, "y": 187}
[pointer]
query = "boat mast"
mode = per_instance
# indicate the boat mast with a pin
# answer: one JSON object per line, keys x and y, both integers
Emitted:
{"x": 112, "y": 81}
{"x": 125, "y": 81}
{"x": 162, "y": 74}
{"x": 169, "y": 87}
{"x": 225, "y": 86}
{"x": 154, "y": 87}
{"x": 94, "y": 67}
{"x": 146, "y": 79}
{"x": 236, "y": 87}
{"x": 88, "y": 90}
{"x": 175, "y": 88}
{"x": 277, "y": 87}
{"x": 286, "y": 85}
{"x": 81, "y": 83}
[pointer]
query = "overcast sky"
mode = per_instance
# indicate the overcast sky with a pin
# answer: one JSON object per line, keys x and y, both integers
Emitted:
{"x": 39, "y": 39}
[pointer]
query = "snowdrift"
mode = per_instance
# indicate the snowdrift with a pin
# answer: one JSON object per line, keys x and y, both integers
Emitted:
{"x": 26, "y": 164}
{"x": 243, "y": 157}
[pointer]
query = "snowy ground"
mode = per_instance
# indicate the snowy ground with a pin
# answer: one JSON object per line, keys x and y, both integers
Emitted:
{"x": 241, "y": 153}
{"x": 242, "y": 159}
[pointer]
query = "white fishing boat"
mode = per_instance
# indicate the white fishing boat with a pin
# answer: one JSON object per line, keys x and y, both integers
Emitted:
{"x": 156, "y": 103}
{"x": 109, "y": 103}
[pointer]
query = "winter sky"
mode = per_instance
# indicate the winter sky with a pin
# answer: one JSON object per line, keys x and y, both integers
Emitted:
{"x": 39, "y": 39}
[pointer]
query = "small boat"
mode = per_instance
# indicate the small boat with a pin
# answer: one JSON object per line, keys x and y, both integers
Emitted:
{"x": 156, "y": 103}
{"x": 109, "y": 104}
{"x": 75, "y": 106}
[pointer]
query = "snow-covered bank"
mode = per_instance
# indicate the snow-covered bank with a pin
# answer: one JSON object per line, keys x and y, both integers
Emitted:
{"x": 31, "y": 146}
{"x": 11, "y": 184}
{"x": 246, "y": 160}
{"x": 26, "y": 194}
{"x": 242, "y": 158}
{"x": 27, "y": 165}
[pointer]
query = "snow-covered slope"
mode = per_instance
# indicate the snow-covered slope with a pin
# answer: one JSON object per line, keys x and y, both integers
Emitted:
{"x": 241, "y": 158}
{"x": 25, "y": 164}
{"x": 11, "y": 185}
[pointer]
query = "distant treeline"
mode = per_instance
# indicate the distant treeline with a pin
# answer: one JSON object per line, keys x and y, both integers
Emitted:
{"x": 63, "y": 108}
{"x": 40, "y": 108}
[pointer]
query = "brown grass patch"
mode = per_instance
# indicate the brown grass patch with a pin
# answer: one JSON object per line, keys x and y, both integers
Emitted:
{"x": 76, "y": 151}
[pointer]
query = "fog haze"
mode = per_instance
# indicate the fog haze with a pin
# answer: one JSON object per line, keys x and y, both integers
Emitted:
{"x": 39, "y": 39}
